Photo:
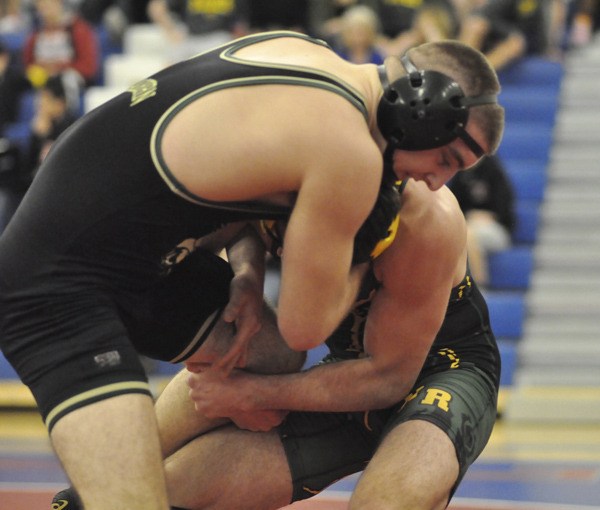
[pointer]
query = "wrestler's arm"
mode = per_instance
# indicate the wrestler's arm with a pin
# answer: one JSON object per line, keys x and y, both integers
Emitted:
{"x": 318, "y": 282}
{"x": 404, "y": 318}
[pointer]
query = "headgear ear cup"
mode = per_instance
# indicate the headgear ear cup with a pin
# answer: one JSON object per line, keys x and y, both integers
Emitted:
{"x": 425, "y": 109}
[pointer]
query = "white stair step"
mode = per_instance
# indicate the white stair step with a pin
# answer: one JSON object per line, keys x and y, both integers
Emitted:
{"x": 564, "y": 351}
{"x": 565, "y": 281}
{"x": 564, "y": 327}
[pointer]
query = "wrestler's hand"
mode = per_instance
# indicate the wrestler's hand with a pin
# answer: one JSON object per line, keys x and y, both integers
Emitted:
{"x": 245, "y": 310}
{"x": 217, "y": 397}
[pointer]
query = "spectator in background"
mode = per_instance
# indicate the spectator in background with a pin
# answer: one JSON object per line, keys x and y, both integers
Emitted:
{"x": 507, "y": 30}
{"x": 359, "y": 31}
{"x": 56, "y": 109}
{"x": 192, "y": 27}
{"x": 264, "y": 15}
{"x": 486, "y": 197}
{"x": 13, "y": 18}
{"x": 62, "y": 41}
{"x": 327, "y": 16}
{"x": 408, "y": 24}
{"x": 464, "y": 7}
{"x": 12, "y": 85}
{"x": 583, "y": 21}
{"x": 114, "y": 15}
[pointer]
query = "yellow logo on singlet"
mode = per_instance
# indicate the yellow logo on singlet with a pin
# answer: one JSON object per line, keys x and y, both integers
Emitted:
{"x": 452, "y": 356}
{"x": 142, "y": 90}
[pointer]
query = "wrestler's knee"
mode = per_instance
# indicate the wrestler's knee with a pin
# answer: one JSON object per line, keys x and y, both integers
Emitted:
{"x": 408, "y": 499}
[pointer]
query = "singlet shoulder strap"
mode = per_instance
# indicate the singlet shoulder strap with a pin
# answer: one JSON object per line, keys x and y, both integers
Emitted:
{"x": 285, "y": 73}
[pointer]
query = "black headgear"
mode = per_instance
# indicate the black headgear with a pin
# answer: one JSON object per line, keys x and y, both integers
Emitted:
{"x": 425, "y": 109}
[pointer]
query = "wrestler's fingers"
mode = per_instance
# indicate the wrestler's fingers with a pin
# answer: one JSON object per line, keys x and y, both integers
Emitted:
{"x": 226, "y": 363}
{"x": 232, "y": 310}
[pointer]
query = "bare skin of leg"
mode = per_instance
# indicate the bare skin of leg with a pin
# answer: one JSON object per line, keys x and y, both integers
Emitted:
{"x": 110, "y": 452}
{"x": 414, "y": 469}
{"x": 178, "y": 421}
{"x": 230, "y": 469}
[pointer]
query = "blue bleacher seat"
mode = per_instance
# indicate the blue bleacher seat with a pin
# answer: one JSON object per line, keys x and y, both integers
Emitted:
{"x": 509, "y": 356}
{"x": 14, "y": 41}
{"x": 516, "y": 165}
{"x": 107, "y": 47}
{"x": 163, "y": 368}
{"x": 18, "y": 133}
{"x": 27, "y": 106}
{"x": 527, "y": 214}
{"x": 532, "y": 71}
{"x": 529, "y": 104}
{"x": 315, "y": 355}
{"x": 528, "y": 184}
{"x": 526, "y": 140}
{"x": 507, "y": 312}
{"x": 6, "y": 370}
{"x": 511, "y": 268}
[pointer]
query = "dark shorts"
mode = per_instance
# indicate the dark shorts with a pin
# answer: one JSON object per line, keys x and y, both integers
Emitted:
{"x": 324, "y": 447}
{"x": 73, "y": 349}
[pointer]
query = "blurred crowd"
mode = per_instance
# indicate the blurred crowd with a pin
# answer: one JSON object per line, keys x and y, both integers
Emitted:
{"x": 52, "y": 50}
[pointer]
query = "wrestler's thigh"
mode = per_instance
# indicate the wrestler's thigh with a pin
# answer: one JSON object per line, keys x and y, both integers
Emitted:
{"x": 178, "y": 420}
{"x": 230, "y": 469}
{"x": 110, "y": 452}
{"x": 414, "y": 468}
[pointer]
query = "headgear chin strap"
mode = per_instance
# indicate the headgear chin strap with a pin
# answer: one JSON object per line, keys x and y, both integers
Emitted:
{"x": 425, "y": 109}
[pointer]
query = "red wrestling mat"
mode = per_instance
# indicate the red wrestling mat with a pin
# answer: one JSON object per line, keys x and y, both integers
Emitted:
{"x": 342, "y": 504}
{"x": 24, "y": 497}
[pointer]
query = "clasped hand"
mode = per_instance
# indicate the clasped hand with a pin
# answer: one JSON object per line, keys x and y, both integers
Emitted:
{"x": 218, "y": 390}
{"x": 216, "y": 396}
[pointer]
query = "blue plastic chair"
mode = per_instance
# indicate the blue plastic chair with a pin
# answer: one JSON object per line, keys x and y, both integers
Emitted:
{"x": 516, "y": 165}
{"x": 507, "y": 312}
{"x": 527, "y": 214}
{"x": 532, "y": 71}
{"x": 528, "y": 184}
{"x": 6, "y": 370}
{"x": 524, "y": 140}
{"x": 14, "y": 41}
{"x": 530, "y": 104}
{"x": 511, "y": 268}
{"x": 509, "y": 357}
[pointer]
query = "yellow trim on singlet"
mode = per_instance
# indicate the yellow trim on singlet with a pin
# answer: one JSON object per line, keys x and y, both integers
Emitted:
{"x": 120, "y": 387}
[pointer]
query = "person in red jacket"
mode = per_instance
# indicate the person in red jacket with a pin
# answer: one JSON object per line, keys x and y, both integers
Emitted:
{"x": 62, "y": 41}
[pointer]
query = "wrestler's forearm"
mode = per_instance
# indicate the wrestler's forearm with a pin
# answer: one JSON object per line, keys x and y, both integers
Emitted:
{"x": 344, "y": 386}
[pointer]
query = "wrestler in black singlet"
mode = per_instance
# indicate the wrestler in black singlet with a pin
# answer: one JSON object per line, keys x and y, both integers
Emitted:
{"x": 456, "y": 390}
{"x": 95, "y": 259}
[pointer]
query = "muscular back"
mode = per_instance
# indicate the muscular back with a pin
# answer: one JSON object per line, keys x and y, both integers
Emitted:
{"x": 282, "y": 132}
